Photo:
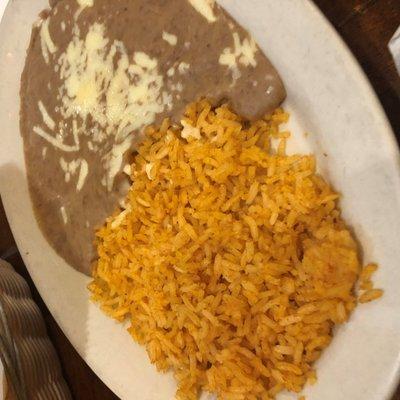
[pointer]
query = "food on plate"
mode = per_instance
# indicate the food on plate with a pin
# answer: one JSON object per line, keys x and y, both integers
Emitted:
{"x": 229, "y": 258}
{"x": 97, "y": 72}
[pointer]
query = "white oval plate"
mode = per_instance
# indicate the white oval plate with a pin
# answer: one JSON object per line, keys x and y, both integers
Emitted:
{"x": 328, "y": 96}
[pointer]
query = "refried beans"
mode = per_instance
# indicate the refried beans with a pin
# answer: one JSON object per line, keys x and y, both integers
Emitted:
{"x": 97, "y": 72}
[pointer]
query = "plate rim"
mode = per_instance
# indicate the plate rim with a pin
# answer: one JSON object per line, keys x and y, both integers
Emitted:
{"x": 374, "y": 102}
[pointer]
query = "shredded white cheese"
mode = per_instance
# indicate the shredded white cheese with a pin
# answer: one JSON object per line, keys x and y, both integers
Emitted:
{"x": 46, "y": 42}
{"x": 55, "y": 141}
{"x": 49, "y": 122}
{"x": 148, "y": 169}
{"x": 170, "y": 38}
{"x": 171, "y": 72}
{"x": 83, "y": 172}
{"x": 64, "y": 215}
{"x": 71, "y": 166}
{"x": 120, "y": 218}
{"x": 183, "y": 67}
{"x": 70, "y": 169}
{"x": 85, "y": 3}
{"x": 116, "y": 97}
{"x": 205, "y": 8}
{"x": 189, "y": 131}
{"x": 114, "y": 159}
{"x": 178, "y": 87}
{"x": 127, "y": 170}
{"x": 243, "y": 52}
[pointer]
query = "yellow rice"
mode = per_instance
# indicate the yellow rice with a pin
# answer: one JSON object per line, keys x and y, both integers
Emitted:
{"x": 231, "y": 261}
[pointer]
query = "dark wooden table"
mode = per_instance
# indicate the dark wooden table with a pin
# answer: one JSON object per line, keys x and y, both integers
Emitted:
{"x": 366, "y": 26}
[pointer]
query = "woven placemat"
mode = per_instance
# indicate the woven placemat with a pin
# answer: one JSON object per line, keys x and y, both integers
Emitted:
{"x": 30, "y": 361}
